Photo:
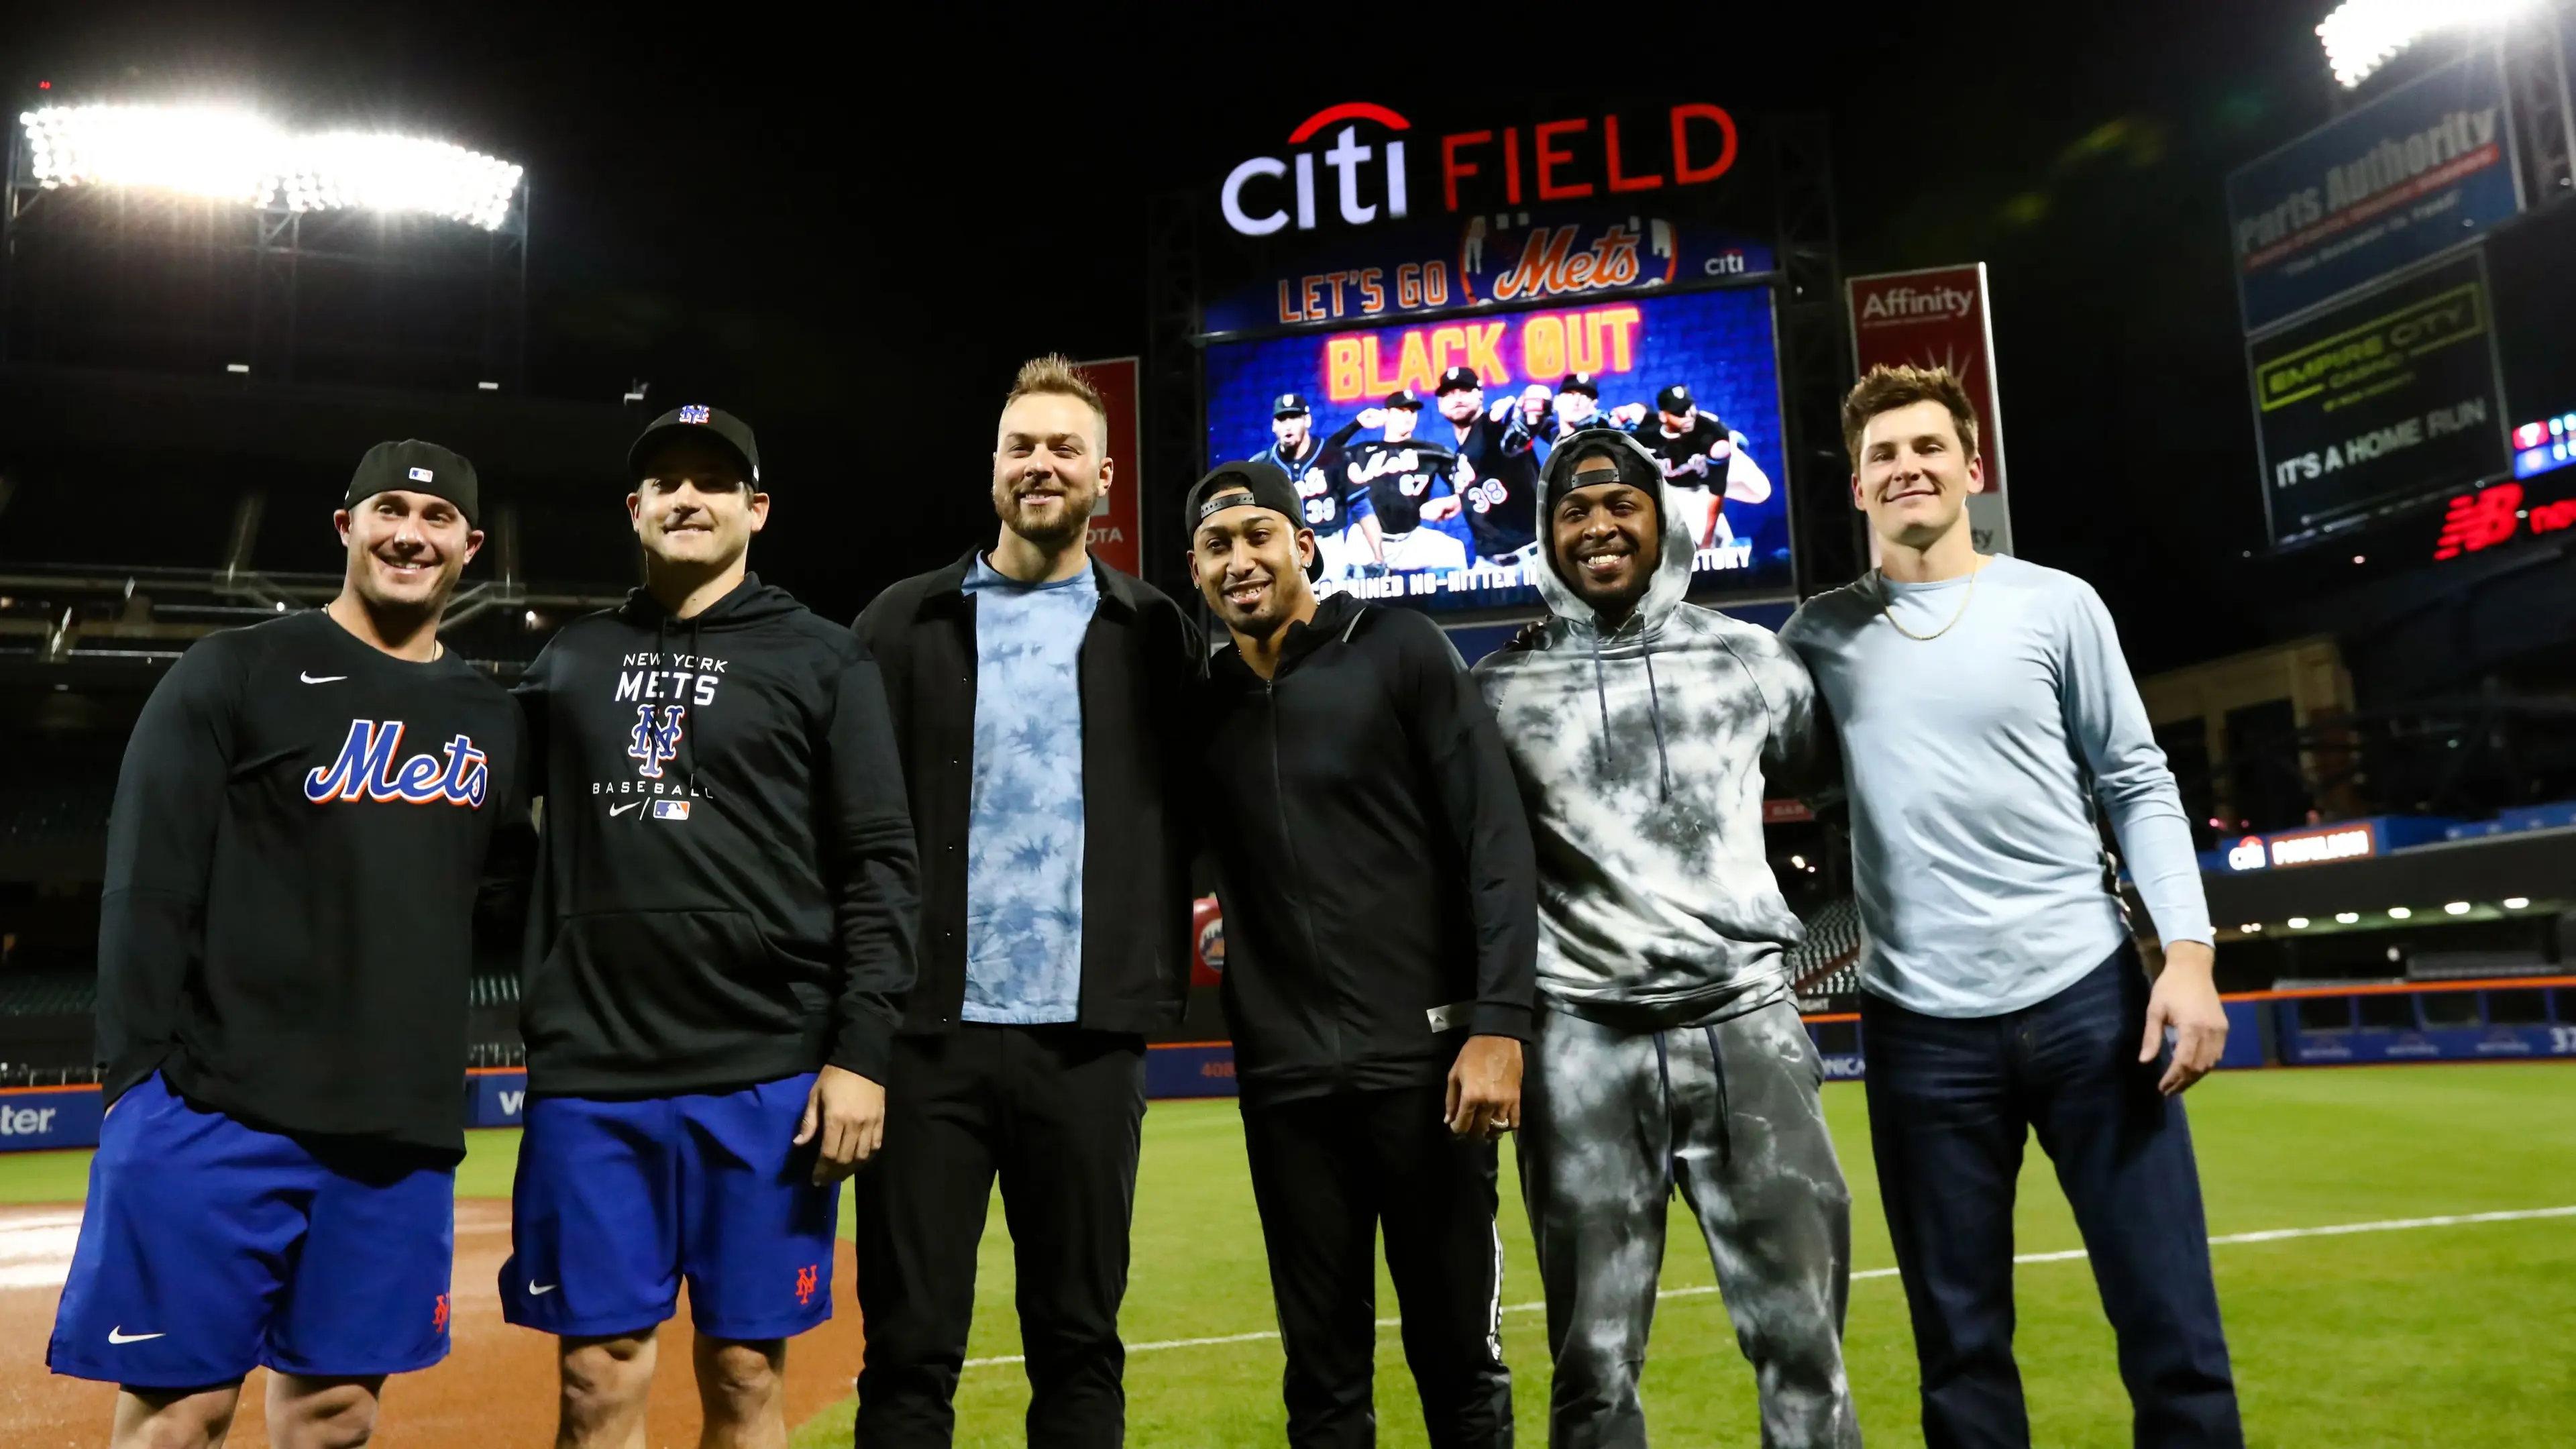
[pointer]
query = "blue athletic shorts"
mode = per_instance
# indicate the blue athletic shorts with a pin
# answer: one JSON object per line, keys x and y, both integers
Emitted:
{"x": 617, "y": 1201}
{"x": 208, "y": 1246}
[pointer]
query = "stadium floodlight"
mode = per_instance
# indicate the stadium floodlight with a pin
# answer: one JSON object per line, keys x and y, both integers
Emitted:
{"x": 2515, "y": 903}
{"x": 234, "y": 155}
{"x": 2298, "y": 923}
{"x": 2399, "y": 913}
{"x": 2456, "y": 908}
{"x": 2363, "y": 35}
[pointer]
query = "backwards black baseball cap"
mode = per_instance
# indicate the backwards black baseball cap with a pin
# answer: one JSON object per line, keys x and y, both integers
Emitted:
{"x": 1457, "y": 379}
{"x": 1582, "y": 382}
{"x": 1246, "y": 485}
{"x": 1675, "y": 399}
{"x": 412, "y": 466}
{"x": 1405, "y": 398}
{"x": 729, "y": 434}
{"x": 1288, "y": 405}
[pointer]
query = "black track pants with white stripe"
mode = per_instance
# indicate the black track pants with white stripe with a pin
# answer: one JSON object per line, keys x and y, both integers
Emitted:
{"x": 1615, "y": 1122}
{"x": 1328, "y": 1173}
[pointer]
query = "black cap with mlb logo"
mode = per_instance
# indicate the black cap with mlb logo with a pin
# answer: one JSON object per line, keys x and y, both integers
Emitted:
{"x": 1405, "y": 398}
{"x": 726, "y": 432}
{"x": 1458, "y": 379}
{"x": 412, "y": 466}
{"x": 1675, "y": 399}
{"x": 1288, "y": 405}
{"x": 1582, "y": 382}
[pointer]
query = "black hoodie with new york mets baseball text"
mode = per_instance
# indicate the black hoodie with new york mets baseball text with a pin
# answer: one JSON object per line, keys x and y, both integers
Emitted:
{"x": 726, "y": 887}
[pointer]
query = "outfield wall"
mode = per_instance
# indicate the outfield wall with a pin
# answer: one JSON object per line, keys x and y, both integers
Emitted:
{"x": 2456, "y": 1021}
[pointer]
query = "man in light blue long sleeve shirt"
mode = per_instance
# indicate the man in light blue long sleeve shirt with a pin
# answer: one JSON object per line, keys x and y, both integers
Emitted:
{"x": 1985, "y": 712}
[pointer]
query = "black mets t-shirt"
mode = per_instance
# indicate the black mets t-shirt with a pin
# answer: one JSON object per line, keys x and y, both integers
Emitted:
{"x": 300, "y": 834}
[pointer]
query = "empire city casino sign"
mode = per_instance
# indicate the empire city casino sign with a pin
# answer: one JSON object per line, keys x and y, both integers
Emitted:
{"x": 1348, "y": 230}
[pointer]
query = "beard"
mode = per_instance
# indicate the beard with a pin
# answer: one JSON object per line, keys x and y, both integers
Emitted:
{"x": 1071, "y": 521}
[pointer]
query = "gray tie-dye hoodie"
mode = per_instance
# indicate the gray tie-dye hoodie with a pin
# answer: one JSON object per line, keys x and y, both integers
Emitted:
{"x": 1641, "y": 754}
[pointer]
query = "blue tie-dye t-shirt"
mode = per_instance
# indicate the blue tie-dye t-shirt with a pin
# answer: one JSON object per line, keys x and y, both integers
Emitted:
{"x": 1024, "y": 829}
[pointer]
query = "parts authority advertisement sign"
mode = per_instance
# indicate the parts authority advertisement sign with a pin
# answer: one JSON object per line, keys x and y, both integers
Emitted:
{"x": 2424, "y": 169}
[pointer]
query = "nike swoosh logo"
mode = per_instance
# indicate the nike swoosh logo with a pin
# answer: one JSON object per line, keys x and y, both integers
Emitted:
{"x": 534, "y": 1291}
{"x": 319, "y": 678}
{"x": 617, "y": 810}
{"x": 119, "y": 1335}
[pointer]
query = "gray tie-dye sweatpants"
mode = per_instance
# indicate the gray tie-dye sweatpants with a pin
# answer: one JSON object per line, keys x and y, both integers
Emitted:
{"x": 1613, "y": 1122}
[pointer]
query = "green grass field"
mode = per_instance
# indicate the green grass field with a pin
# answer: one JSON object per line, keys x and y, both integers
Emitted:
{"x": 2446, "y": 1336}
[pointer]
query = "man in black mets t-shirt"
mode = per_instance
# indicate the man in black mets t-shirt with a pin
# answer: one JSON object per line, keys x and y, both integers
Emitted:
{"x": 285, "y": 936}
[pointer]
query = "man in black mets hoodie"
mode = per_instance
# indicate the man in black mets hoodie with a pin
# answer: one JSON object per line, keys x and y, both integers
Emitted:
{"x": 724, "y": 917}
{"x": 1380, "y": 897}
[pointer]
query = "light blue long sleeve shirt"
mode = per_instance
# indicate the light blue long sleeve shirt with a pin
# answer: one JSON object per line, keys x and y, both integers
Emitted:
{"x": 1973, "y": 761}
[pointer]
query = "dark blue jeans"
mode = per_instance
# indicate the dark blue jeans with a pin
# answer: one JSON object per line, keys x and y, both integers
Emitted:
{"x": 1951, "y": 1101}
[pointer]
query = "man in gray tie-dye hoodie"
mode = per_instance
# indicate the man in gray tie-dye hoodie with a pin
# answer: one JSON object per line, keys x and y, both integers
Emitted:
{"x": 1669, "y": 1055}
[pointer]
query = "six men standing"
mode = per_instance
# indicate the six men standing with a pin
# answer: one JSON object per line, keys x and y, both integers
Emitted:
{"x": 911, "y": 895}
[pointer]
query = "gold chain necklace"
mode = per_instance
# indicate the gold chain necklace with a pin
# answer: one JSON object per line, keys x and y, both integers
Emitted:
{"x": 1887, "y": 597}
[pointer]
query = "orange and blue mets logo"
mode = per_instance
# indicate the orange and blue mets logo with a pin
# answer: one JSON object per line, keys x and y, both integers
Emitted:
{"x": 807, "y": 1280}
{"x": 368, "y": 768}
{"x": 438, "y": 1314}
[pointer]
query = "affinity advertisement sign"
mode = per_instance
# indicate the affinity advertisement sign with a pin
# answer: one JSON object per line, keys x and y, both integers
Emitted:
{"x": 1368, "y": 214}
{"x": 2427, "y": 168}
{"x": 1940, "y": 317}
{"x": 1418, "y": 448}
{"x": 1115, "y": 537}
{"x": 2386, "y": 401}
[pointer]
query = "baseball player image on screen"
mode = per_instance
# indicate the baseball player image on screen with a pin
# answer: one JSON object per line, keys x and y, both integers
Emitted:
{"x": 1316, "y": 467}
{"x": 303, "y": 824}
{"x": 1643, "y": 731}
{"x": 1374, "y": 868}
{"x": 1042, "y": 698}
{"x": 1404, "y": 483}
{"x": 1497, "y": 474}
{"x": 1705, "y": 460}
{"x": 723, "y": 921}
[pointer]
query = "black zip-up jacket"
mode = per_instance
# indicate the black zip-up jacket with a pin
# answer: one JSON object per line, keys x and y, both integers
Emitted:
{"x": 300, "y": 836}
{"x": 1139, "y": 662}
{"x": 1372, "y": 856}
{"x": 726, "y": 892}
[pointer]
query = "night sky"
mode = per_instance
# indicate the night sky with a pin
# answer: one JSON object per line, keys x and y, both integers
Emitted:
{"x": 851, "y": 232}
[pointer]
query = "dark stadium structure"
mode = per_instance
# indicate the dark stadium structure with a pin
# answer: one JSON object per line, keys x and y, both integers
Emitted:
{"x": 185, "y": 385}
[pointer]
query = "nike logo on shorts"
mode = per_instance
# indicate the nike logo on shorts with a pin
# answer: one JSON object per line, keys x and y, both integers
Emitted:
{"x": 119, "y": 1335}
{"x": 616, "y": 810}
{"x": 534, "y": 1291}
{"x": 319, "y": 678}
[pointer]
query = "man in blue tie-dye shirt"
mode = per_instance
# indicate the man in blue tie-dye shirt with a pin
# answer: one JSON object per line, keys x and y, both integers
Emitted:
{"x": 1040, "y": 699}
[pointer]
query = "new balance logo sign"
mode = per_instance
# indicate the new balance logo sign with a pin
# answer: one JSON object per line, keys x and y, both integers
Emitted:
{"x": 366, "y": 770}
{"x": 655, "y": 742}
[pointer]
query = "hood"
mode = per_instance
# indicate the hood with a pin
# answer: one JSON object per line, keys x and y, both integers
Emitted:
{"x": 751, "y": 603}
{"x": 1638, "y": 468}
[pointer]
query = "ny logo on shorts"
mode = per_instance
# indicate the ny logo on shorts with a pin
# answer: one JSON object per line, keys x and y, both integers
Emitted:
{"x": 806, "y": 1282}
{"x": 654, "y": 742}
{"x": 438, "y": 1314}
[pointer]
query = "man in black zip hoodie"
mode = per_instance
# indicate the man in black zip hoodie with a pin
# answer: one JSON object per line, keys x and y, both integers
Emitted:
{"x": 724, "y": 918}
{"x": 1382, "y": 932}
{"x": 1041, "y": 699}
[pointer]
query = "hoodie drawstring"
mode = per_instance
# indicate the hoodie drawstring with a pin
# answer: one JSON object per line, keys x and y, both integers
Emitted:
{"x": 689, "y": 737}
{"x": 1725, "y": 1118}
{"x": 1664, "y": 1081}
{"x": 1654, "y": 712}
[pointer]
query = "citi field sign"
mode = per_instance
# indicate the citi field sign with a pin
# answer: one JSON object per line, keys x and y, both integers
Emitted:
{"x": 1365, "y": 215}
{"x": 1365, "y": 150}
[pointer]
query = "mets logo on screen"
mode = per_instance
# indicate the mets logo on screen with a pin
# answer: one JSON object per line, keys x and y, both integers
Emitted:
{"x": 1480, "y": 170}
{"x": 367, "y": 770}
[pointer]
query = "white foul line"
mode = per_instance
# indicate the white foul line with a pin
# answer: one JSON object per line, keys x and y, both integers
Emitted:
{"x": 2272, "y": 1235}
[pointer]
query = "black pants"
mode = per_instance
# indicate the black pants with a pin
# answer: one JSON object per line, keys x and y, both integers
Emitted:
{"x": 1950, "y": 1103}
{"x": 1326, "y": 1173}
{"x": 1056, "y": 1112}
